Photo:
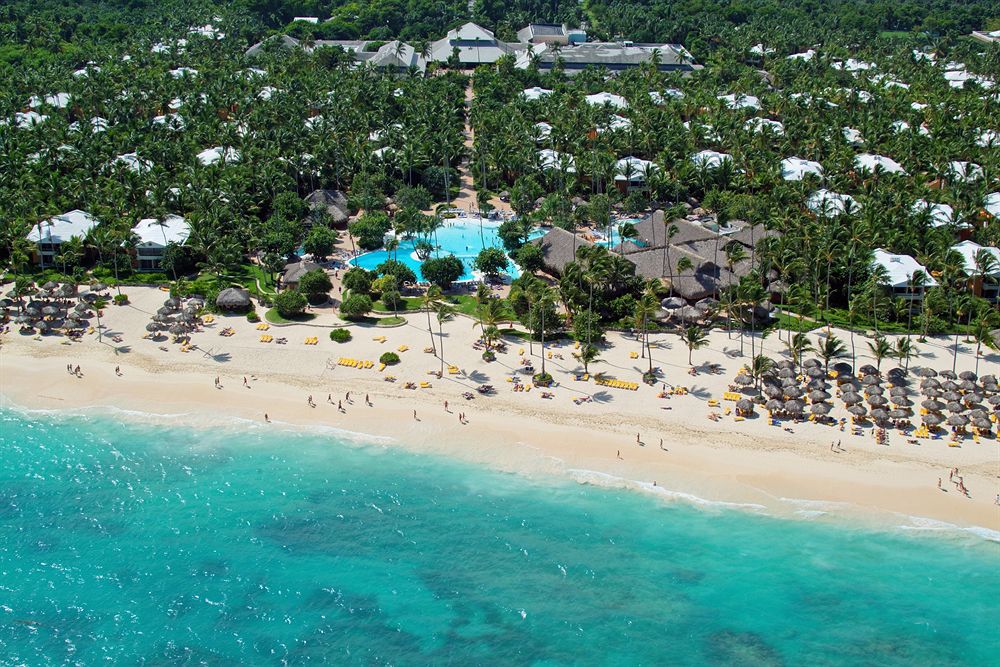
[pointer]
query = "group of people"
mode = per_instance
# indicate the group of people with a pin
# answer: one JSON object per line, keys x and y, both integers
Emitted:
{"x": 959, "y": 483}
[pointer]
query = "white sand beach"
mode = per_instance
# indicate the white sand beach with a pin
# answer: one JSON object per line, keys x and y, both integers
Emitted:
{"x": 782, "y": 469}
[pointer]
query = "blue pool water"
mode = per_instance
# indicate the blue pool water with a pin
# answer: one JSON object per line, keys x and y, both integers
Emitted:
{"x": 144, "y": 543}
{"x": 462, "y": 238}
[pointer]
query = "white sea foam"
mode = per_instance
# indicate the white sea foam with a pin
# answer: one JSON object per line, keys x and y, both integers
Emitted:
{"x": 604, "y": 479}
{"x": 920, "y": 523}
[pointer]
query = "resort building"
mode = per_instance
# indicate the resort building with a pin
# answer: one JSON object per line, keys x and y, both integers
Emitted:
{"x": 990, "y": 37}
{"x": 154, "y": 235}
{"x": 471, "y": 45}
{"x": 900, "y": 270}
{"x": 49, "y": 235}
{"x": 983, "y": 272}
{"x": 293, "y": 272}
{"x": 551, "y": 33}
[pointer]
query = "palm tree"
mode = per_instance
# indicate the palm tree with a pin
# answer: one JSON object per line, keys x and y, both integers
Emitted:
{"x": 541, "y": 298}
{"x": 98, "y": 305}
{"x": 905, "y": 350}
{"x": 880, "y": 349}
{"x": 429, "y": 301}
{"x": 759, "y": 365}
{"x": 798, "y": 346}
{"x": 695, "y": 338}
{"x": 916, "y": 283}
{"x": 645, "y": 310}
{"x": 876, "y": 282}
{"x": 831, "y": 348}
{"x": 588, "y": 354}
{"x": 668, "y": 267}
{"x": 445, "y": 313}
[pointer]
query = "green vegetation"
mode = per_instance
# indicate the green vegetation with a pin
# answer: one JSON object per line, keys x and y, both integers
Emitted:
{"x": 389, "y": 358}
{"x": 274, "y": 317}
{"x": 340, "y": 335}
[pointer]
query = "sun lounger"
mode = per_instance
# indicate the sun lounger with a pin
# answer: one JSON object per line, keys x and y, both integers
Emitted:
{"x": 402, "y": 348}
{"x": 425, "y": 385}
{"x": 633, "y": 355}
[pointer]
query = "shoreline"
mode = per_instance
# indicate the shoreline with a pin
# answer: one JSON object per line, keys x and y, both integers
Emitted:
{"x": 745, "y": 462}
{"x": 772, "y": 479}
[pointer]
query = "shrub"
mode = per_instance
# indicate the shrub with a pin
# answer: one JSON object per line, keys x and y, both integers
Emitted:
{"x": 389, "y": 358}
{"x": 491, "y": 261}
{"x": 121, "y": 299}
{"x": 290, "y": 303}
{"x": 370, "y": 230}
{"x": 393, "y": 267}
{"x": 357, "y": 280}
{"x": 392, "y": 299}
{"x": 356, "y": 306}
{"x": 320, "y": 241}
{"x": 529, "y": 257}
{"x": 443, "y": 271}
{"x": 340, "y": 335}
{"x": 252, "y": 316}
{"x": 315, "y": 285}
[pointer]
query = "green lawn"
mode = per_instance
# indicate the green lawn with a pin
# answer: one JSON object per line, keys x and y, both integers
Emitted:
{"x": 273, "y": 317}
{"x": 840, "y": 318}
{"x": 463, "y": 303}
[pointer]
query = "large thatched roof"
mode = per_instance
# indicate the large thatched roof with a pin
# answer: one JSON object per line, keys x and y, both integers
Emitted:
{"x": 233, "y": 298}
{"x": 558, "y": 248}
{"x": 294, "y": 271}
{"x": 333, "y": 201}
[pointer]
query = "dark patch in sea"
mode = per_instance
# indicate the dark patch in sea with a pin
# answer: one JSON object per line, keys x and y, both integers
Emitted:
{"x": 748, "y": 649}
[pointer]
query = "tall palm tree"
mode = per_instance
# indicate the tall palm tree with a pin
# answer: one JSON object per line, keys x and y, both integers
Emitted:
{"x": 759, "y": 365}
{"x": 429, "y": 301}
{"x": 831, "y": 348}
{"x": 798, "y": 346}
{"x": 445, "y": 313}
{"x": 588, "y": 354}
{"x": 880, "y": 349}
{"x": 541, "y": 299}
{"x": 695, "y": 338}
{"x": 645, "y": 310}
{"x": 905, "y": 350}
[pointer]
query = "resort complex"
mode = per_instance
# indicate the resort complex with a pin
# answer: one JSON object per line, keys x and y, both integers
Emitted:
{"x": 288, "y": 289}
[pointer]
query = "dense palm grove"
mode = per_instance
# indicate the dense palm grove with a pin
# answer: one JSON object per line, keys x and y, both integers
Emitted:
{"x": 143, "y": 106}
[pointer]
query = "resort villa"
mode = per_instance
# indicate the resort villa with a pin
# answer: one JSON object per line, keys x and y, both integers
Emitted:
{"x": 154, "y": 235}
{"x": 900, "y": 270}
{"x": 49, "y": 235}
{"x": 984, "y": 273}
{"x": 471, "y": 45}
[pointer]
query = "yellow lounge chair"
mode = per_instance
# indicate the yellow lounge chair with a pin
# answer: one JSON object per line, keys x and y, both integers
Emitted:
{"x": 425, "y": 385}
{"x": 402, "y": 348}
{"x": 381, "y": 367}
{"x": 633, "y": 355}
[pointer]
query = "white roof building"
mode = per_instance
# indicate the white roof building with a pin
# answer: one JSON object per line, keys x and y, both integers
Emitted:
{"x": 306, "y": 19}
{"x": 870, "y": 162}
{"x": 218, "y": 154}
{"x": 475, "y": 45}
{"x": 208, "y": 30}
{"x": 918, "y": 106}
{"x": 969, "y": 249}
{"x": 601, "y": 99}
{"x": 154, "y": 233}
{"x": 170, "y": 121}
{"x": 964, "y": 172}
{"x": 761, "y": 125}
{"x": 900, "y": 269}
{"x": 710, "y": 159}
{"x": 550, "y": 159}
{"x": 97, "y": 124}
{"x": 133, "y": 163}
{"x": 615, "y": 123}
{"x": 61, "y": 228}
{"x": 852, "y": 65}
{"x": 542, "y": 131}
{"x": 180, "y": 72}
{"x": 734, "y": 101}
{"x": 824, "y": 202}
{"x": 940, "y": 214}
{"x": 988, "y": 139}
{"x": 633, "y": 169}
{"x": 760, "y": 50}
{"x": 991, "y": 203}
{"x": 26, "y": 120}
{"x": 804, "y": 56}
{"x": 536, "y": 93}
{"x": 795, "y": 169}
{"x": 852, "y": 136}
{"x": 58, "y": 101}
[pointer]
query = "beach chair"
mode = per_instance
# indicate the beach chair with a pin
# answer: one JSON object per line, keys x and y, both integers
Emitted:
{"x": 425, "y": 385}
{"x": 402, "y": 348}
{"x": 633, "y": 355}
{"x": 520, "y": 351}
{"x": 381, "y": 367}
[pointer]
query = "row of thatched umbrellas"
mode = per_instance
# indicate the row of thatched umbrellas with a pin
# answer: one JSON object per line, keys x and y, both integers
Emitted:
{"x": 176, "y": 317}
{"x": 50, "y": 307}
{"x": 960, "y": 394}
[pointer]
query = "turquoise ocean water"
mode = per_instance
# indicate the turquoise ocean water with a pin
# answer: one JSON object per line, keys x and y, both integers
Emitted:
{"x": 146, "y": 544}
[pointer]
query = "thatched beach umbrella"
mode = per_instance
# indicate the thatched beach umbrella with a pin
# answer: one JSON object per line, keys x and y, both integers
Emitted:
{"x": 949, "y": 385}
{"x": 817, "y": 385}
{"x": 773, "y": 392}
{"x": 955, "y": 406}
{"x": 50, "y": 285}
{"x": 50, "y": 310}
{"x": 811, "y": 363}
{"x": 794, "y": 406}
{"x": 673, "y": 303}
{"x": 951, "y": 396}
{"x": 994, "y": 400}
{"x": 42, "y": 326}
{"x": 786, "y": 373}
{"x": 967, "y": 385}
{"x": 815, "y": 372}
{"x": 743, "y": 379}
{"x": 774, "y": 405}
{"x": 821, "y": 408}
{"x": 98, "y": 287}
{"x": 818, "y": 395}
{"x": 785, "y": 363}
{"x": 871, "y": 380}
{"x": 878, "y": 401}
{"x": 932, "y": 405}
{"x": 868, "y": 369}
{"x": 947, "y": 374}
{"x": 930, "y": 383}
{"x": 968, "y": 375}
{"x": 988, "y": 379}
{"x": 899, "y": 413}
{"x": 843, "y": 368}
{"x": 874, "y": 390}
{"x": 152, "y": 327}
{"x": 745, "y": 405}
{"x": 898, "y": 391}
{"x": 983, "y": 424}
{"x": 851, "y": 398}
{"x": 81, "y": 307}
{"x": 688, "y": 313}
{"x": 879, "y": 415}
{"x": 706, "y": 304}
{"x": 902, "y": 402}
{"x": 958, "y": 420}
{"x": 793, "y": 392}
{"x": 932, "y": 419}
{"x": 931, "y": 392}
{"x": 177, "y": 329}
{"x": 926, "y": 372}
{"x": 857, "y": 410}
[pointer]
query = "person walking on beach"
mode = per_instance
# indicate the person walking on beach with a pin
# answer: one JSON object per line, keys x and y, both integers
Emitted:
{"x": 620, "y": 455}
{"x": 347, "y": 397}
{"x": 266, "y": 418}
{"x": 939, "y": 484}
{"x": 661, "y": 445}
{"x": 446, "y": 406}
{"x": 309, "y": 401}
{"x": 367, "y": 401}
{"x": 77, "y": 372}
{"x": 329, "y": 399}
{"x": 415, "y": 416}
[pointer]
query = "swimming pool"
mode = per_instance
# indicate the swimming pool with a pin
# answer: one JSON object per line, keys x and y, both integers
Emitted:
{"x": 460, "y": 237}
